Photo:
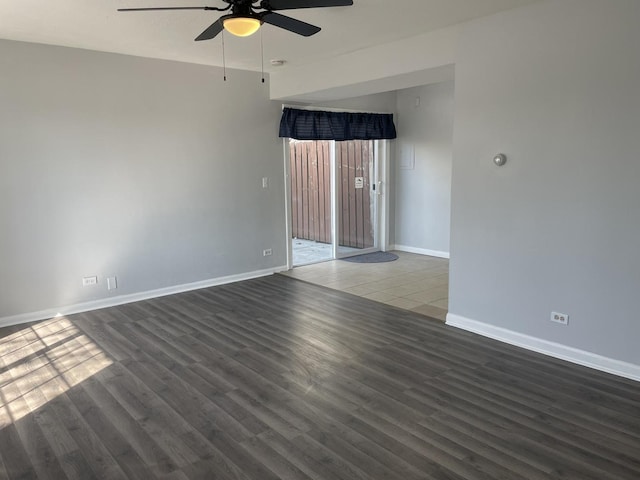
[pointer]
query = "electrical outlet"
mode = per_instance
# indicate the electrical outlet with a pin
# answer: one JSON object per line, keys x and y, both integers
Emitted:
{"x": 87, "y": 281}
{"x": 265, "y": 182}
{"x": 562, "y": 318}
{"x": 267, "y": 252}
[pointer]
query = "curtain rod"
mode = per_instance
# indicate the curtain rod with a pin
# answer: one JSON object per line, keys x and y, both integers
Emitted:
{"x": 328, "y": 109}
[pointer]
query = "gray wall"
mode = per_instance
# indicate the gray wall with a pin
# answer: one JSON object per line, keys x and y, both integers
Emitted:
{"x": 377, "y": 103}
{"x": 145, "y": 169}
{"x": 423, "y": 193}
{"x": 555, "y": 87}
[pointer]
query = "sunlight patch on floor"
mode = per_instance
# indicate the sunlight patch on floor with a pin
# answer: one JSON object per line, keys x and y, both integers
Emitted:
{"x": 41, "y": 362}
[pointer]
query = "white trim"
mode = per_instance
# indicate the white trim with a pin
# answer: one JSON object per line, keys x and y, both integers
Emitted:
{"x": 383, "y": 193}
{"x": 287, "y": 202}
{"x": 420, "y": 251}
{"x": 335, "y": 192}
{"x": 134, "y": 297}
{"x": 557, "y": 350}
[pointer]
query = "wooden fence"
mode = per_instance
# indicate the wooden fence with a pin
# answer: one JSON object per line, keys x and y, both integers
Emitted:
{"x": 311, "y": 191}
{"x": 355, "y": 160}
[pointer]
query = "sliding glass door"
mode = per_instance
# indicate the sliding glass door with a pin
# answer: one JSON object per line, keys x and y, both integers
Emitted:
{"x": 333, "y": 201}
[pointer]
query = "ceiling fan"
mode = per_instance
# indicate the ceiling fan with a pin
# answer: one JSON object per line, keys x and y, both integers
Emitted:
{"x": 246, "y": 17}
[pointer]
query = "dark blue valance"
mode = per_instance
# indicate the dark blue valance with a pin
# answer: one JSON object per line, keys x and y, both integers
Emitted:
{"x": 320, "y": 125}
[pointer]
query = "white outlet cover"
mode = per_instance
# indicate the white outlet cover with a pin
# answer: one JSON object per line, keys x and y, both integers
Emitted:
{"x": 561, "y": 318}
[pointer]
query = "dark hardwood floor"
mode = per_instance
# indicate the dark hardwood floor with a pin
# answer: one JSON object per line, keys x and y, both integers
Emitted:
{"x": 275, "y": 378}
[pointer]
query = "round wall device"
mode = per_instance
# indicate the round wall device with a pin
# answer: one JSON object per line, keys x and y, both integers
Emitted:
{"x": 500, "y": 159}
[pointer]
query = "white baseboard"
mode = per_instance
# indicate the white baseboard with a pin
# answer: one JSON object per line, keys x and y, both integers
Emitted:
{"x": 557, "y": 350}
{"x": 420, "y": 251}
{"x": 134, "y": 297}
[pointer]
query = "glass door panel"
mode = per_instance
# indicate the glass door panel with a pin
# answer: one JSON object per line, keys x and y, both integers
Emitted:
{"x": 311, "y": 205}
{"x": 356, "y": 197}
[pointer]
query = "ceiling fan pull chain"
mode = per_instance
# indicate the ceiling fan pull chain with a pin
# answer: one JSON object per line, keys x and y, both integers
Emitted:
{"x": 262, "y": 54}
{"x": 224, "y": 60}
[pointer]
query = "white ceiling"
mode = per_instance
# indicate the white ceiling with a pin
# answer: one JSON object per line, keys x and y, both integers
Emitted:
{"x": 96, "y": 25}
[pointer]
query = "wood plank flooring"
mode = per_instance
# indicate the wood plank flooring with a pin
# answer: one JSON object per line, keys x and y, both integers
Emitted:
{"x": 275, "y": 378}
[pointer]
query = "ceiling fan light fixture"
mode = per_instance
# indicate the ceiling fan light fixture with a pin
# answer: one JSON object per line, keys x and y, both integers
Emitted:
{"x": 242, "y": 26}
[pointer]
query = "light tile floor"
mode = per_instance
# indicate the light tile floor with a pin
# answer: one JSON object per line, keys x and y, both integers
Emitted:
{"x": 413, "y": 282}
{"x": 307, "y": 251}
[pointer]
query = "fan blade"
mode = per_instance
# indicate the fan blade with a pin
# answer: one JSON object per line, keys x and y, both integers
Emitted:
{"x": 291, "y": 4}
{"x": 288, "y": 23}
{"x": 212, "y": 31}
{"x": 161, "y": 8}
